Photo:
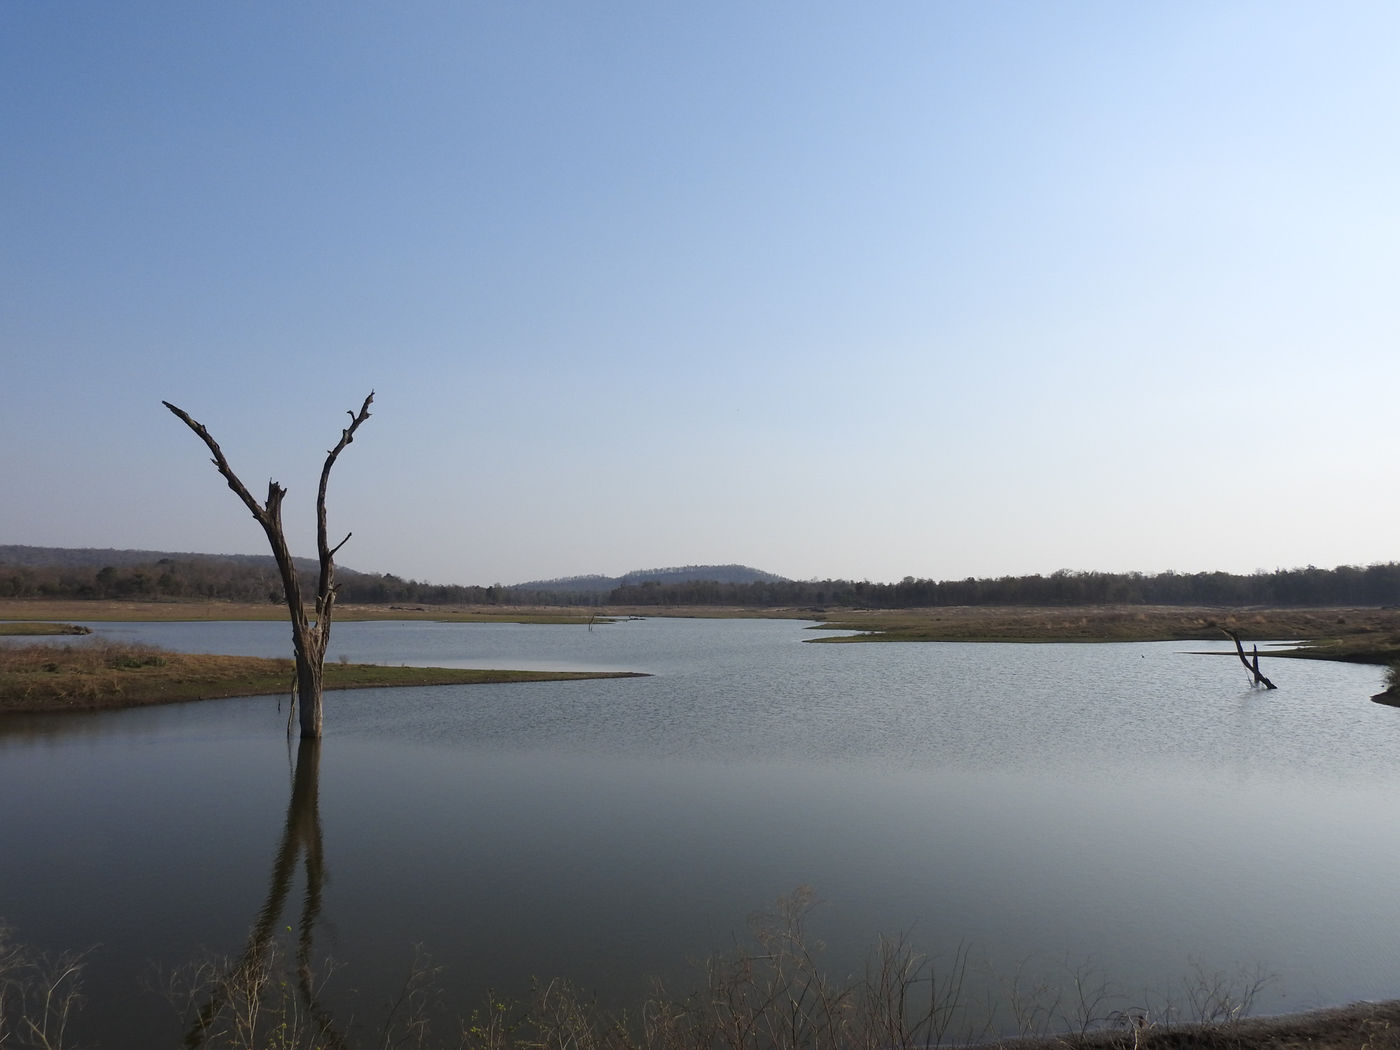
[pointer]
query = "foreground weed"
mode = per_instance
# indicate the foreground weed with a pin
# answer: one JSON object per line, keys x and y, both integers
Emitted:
{"x": 39, "y": 995}
{"x": 772, "y": 992}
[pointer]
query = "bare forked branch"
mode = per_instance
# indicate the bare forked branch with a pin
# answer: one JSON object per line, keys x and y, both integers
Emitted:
{"x": 1252, "y": 668}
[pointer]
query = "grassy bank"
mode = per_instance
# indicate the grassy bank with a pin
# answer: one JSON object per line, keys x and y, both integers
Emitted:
{"x": 23, "y": 628}
{"x": 1363, "y": 635}
{"x": 43, "y": 677}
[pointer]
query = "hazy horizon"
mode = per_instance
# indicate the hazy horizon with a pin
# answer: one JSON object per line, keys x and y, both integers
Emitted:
{"x": 929, "y": 289}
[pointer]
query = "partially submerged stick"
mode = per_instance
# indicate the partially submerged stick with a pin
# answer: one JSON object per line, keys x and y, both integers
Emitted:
{"x": 1252, "y": 668}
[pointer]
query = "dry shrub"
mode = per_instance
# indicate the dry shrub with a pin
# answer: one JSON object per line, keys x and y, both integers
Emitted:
{"x": 94, "y": 658}
{"x": 769, "y": 994}
{"x": 39, "y": 994}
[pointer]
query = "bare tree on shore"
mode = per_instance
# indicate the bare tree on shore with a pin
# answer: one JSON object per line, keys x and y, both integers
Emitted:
{"x": 309, "y": 636}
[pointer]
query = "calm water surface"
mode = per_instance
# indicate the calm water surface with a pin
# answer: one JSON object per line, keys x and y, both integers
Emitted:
{"x": 1129, "y": 809}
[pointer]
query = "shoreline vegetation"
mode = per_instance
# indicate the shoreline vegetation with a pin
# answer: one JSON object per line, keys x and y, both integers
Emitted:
{"x": 1356, "y": 1026}
{"x": 770, "y": 992}
{"x": 24, "y": 628}
{"x": 39, "y": 677}
{"x": 1358, "y": 634}
{"x": 34, "y": 678}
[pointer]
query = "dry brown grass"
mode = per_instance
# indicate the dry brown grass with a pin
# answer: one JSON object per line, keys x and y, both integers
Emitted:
{"x": 22, "y": 627}
{"x": 98, "y": 676}
{"x": 106, "y": 610}
{"x": 772, "y": 993}
{"x": 1360, "y": 634}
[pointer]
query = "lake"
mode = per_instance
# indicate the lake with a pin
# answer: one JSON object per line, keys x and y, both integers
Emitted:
{"x": 1130, "y": 811}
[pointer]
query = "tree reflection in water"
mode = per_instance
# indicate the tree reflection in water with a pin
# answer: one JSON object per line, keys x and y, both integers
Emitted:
{"x": 235, "y": 999}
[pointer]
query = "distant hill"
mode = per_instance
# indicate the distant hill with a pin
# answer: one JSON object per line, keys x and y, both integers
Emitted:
{"x": 106, "y": 572}
{"x": 570, "y": 585}
{"x": 683, "y": 574}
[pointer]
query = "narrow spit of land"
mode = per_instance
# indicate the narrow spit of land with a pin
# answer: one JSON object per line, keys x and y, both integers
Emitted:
{"x": 96, "y": 677}
{"x": 30, "y": 629}
{"x": 44, "y": 676}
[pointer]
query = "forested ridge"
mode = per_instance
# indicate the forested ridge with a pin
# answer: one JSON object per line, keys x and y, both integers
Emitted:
{"x": 99, "y": 574}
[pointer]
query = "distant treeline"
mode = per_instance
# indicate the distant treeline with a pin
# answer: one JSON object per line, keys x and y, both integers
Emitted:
{"x": 220, "y": 578}
{"x": 1346, "y": 585}
{"x": 252, "y": 579}
{"x": 214, "y": 578}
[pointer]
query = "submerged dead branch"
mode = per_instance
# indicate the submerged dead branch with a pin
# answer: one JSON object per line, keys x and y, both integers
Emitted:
{"x": 1251, "y": 667}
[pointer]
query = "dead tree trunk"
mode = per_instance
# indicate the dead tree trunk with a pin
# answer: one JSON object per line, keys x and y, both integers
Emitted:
{"x": 1251, "y": 667}
{"x": 309, "y": 637}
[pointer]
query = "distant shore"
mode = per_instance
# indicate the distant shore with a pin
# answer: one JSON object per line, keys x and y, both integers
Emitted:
{"x": 1360, "y": 634}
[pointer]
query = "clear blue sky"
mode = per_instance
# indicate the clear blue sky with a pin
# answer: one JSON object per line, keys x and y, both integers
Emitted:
{"x": 935, "y": 289}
